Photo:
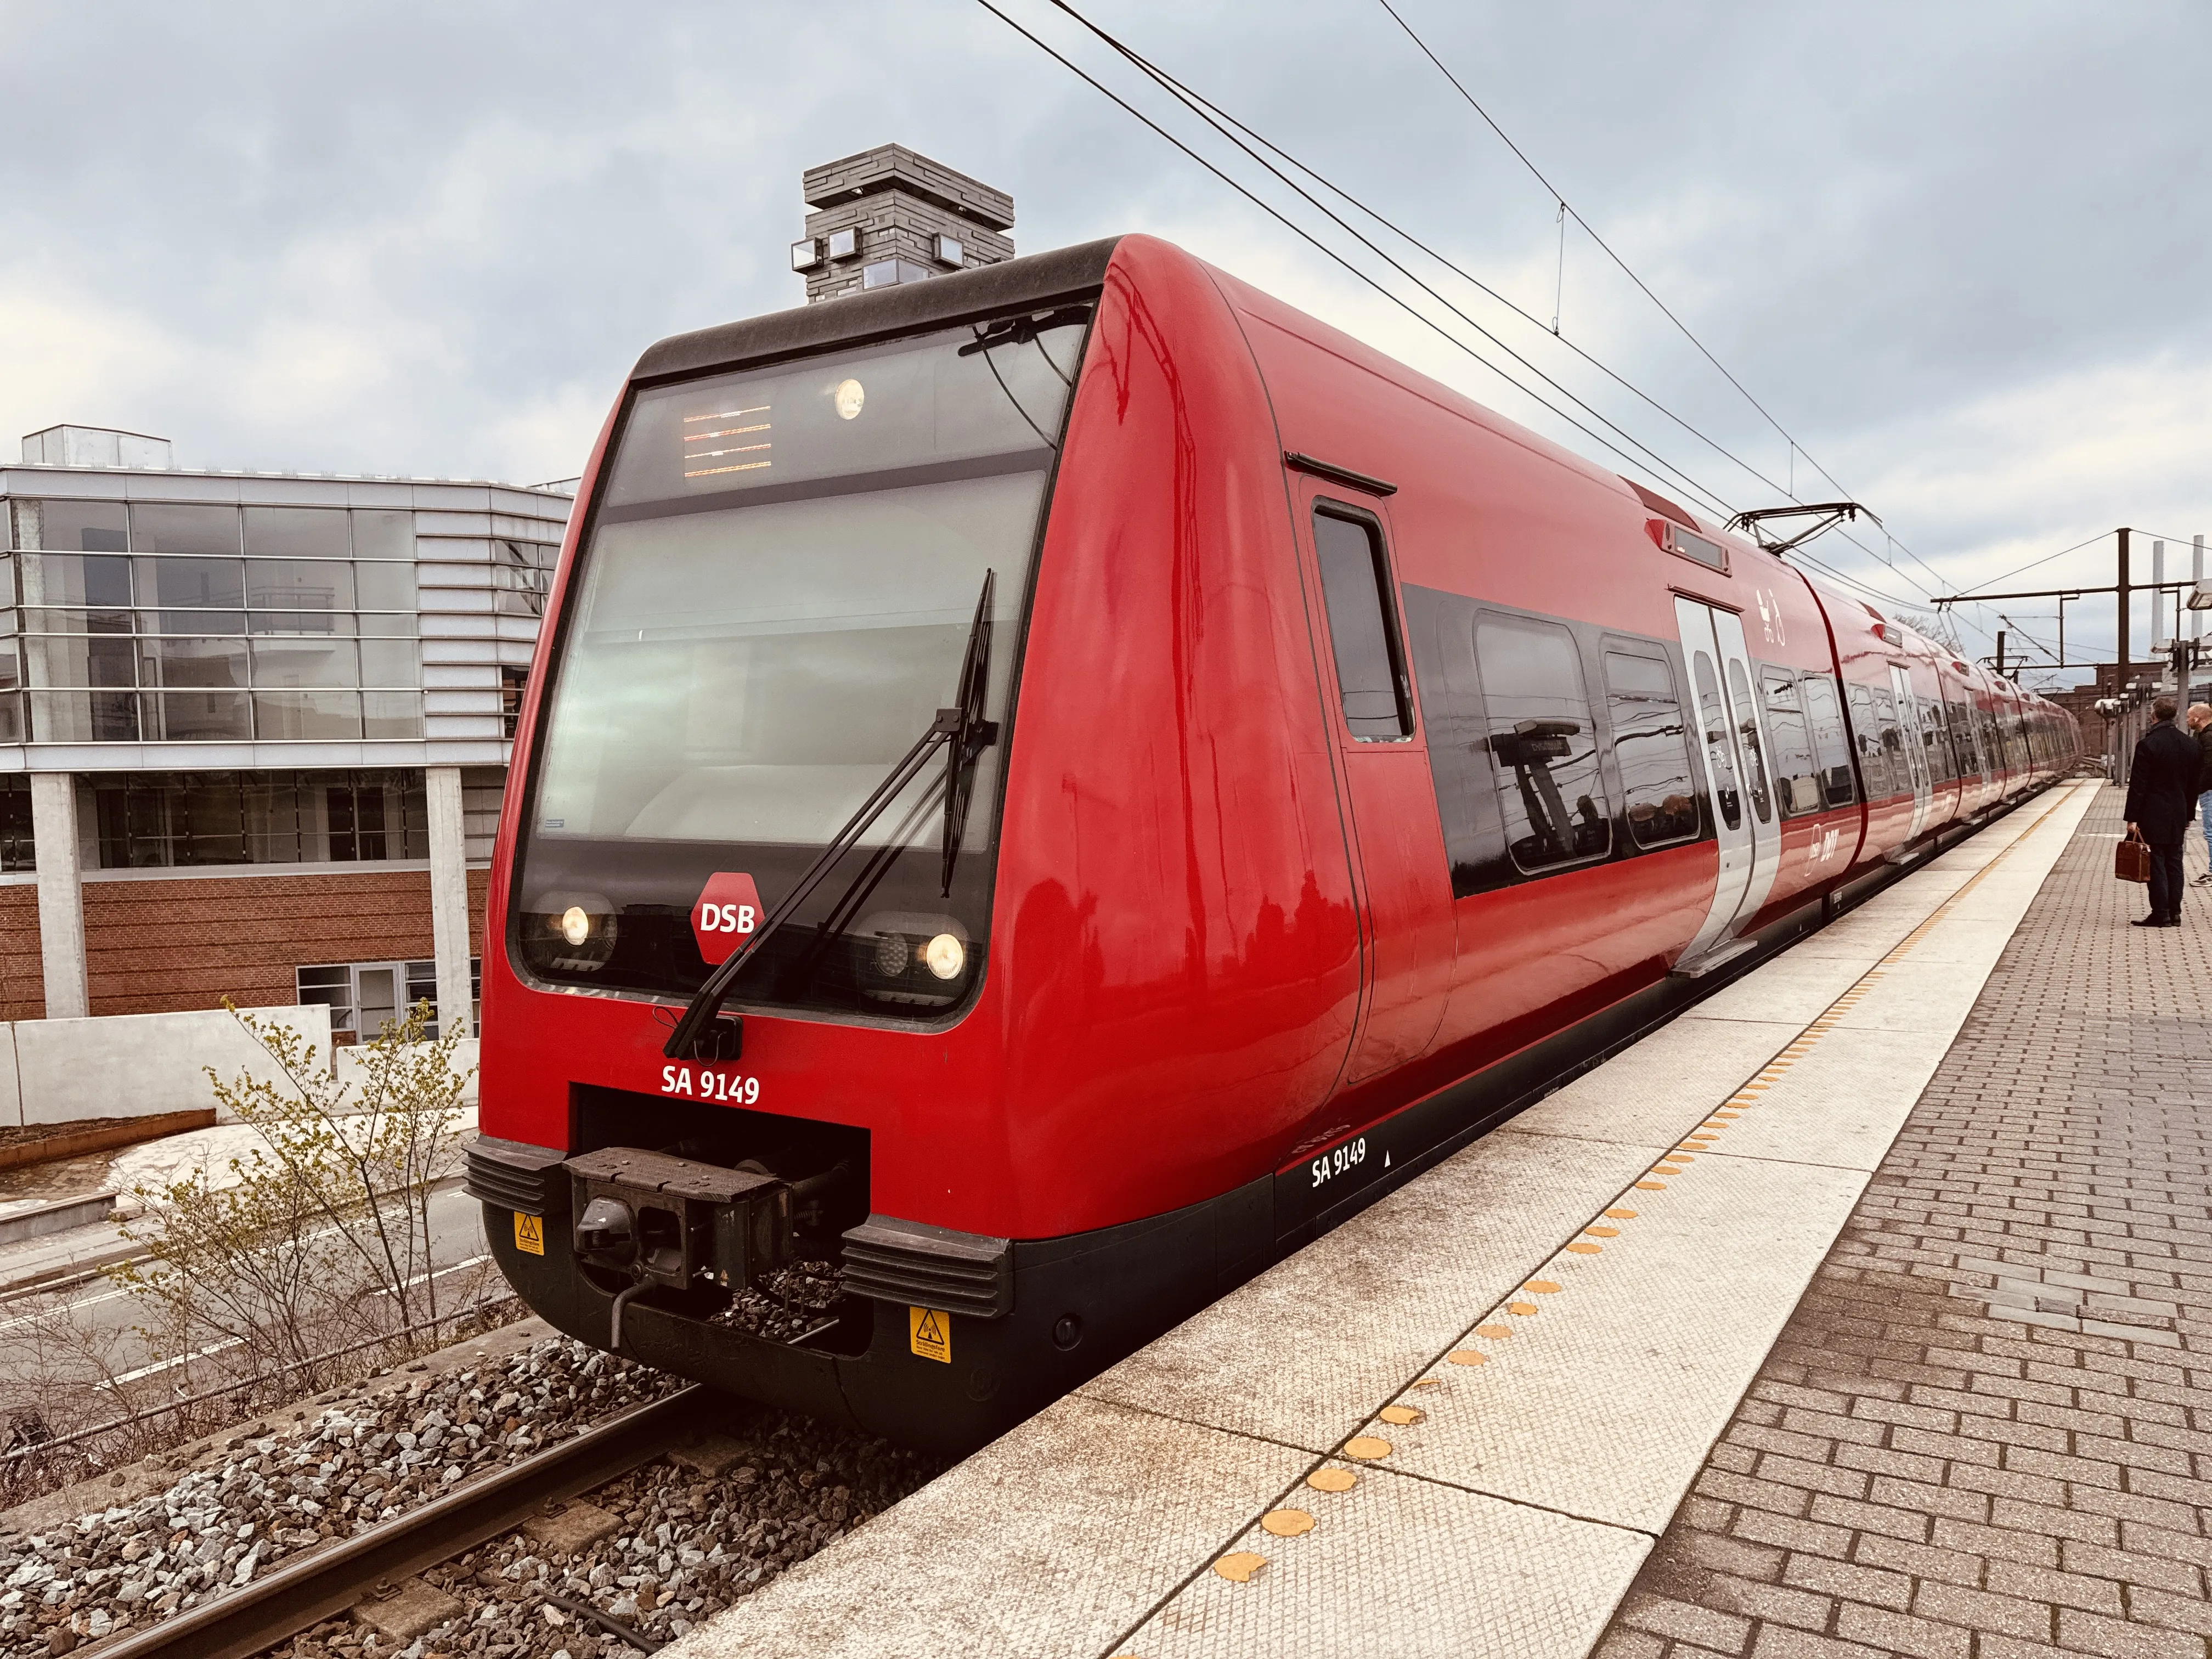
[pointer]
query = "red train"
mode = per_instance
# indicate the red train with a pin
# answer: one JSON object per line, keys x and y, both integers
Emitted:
{"x": 1304, "y": 768}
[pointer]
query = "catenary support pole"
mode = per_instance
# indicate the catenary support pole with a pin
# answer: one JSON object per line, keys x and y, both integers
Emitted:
{"x": 449, "y": 897}
{"x": 2122, "y": 670}
{"x": 61, "y": 896}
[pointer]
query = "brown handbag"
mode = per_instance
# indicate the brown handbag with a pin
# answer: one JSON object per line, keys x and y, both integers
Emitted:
{"x": 2131, "y": 861}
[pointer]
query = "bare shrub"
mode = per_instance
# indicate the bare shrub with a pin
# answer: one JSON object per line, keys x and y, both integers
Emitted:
{"x": 322, "y": 1237}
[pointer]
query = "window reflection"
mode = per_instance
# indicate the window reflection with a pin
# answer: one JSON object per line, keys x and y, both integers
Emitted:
{"x": 1651, "y": 746}
{"x": 1541, "y": 744}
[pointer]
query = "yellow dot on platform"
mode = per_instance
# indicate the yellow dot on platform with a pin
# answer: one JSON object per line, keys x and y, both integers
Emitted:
{"x": 1401, "y": 1416}
{"x": 1332, "y": 1480}
{"x": 1430, "y": 1382}
{"x": 1366, "y": 1448}
{"x": 1523, "y": 1308}
{"x": 1287, "y": 1523}
{"x": 1650, "y": 1186}
{"x": 1239, "y": 1569}
{"x": 1580, "y": 1248}
{"x": 1494, "y": 1331}
{"x": 1619, "y": 1215}
{"x": 1543, "y": 1287}
{"x": 1602, "y": 1232}
{"x": 1465, "y": 1357}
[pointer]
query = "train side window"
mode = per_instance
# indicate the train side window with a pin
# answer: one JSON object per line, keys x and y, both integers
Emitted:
{"x": 1542, "y": 743}
{"x": 1651, "y": 745}
{"x": 1370, "y": 664}
{"x": 1746, "y": 728}
{"x": 1795, "y": 775}
{"x": 1891, "y": 741}
{"x": 1941, "y": 768}
{"x": 1719, "y": 753}
{"x": 1872, "y": 761}
{"x": 1831, "y": 745}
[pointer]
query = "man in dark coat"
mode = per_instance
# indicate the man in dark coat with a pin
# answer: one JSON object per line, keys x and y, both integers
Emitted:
{"x": 2161, "y": 799}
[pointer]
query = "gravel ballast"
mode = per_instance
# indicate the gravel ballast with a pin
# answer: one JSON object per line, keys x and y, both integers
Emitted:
{"x": 342, "y": 1467}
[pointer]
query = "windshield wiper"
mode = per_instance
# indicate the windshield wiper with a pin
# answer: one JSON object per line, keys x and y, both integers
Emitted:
{"x": 700, "y": 1034}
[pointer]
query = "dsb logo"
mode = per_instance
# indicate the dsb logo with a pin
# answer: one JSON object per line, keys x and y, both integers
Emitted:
{"x": 725, "y": 915}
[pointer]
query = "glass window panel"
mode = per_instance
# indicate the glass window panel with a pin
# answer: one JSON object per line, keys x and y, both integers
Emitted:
{"x": 1831, "y": 748}
{"x": 273, "y": 830}
{"x": 306, "y": 532}
{"x": 7, "y": 581}
{"x": 298, "y": 716}
{"x": 199, "y": 716}
{"x": 81, "y": 660}
{"x": 1892, "y": 740}
{"x": 11, "y": 730}
{"x": 1651, "y": 745}
{"x": 385, "y": 586}
{"x": 1355, "y": 584}
{"x": 1866, "y": 724}
{"x": 1797, "y": 782}
{"x": 180, "y": 663}
{"x": 11, "y": 666}
{"x": 77, "y": 579}
{"x": 387, "y": 624}
{"x": 1542, "y": 746}
{"x": 1746, "y": 731}
{"x": 298, "y": 585}
{"x": 77, "y": 621}
{"x": 390, "y": 662}
{"x": 392, "y": 714}
{"x": 174, "y": 527}
{"x": 1720, "y": 752}
{"x": 72, "y": 526}
{"x": 214, "y": 584}
{"x": 291, "y": 662}
{"x": 84, "y": 716}
{"x": 381, "y": 534}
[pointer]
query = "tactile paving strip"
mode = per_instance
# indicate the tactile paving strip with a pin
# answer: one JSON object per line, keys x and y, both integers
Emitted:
{"x": 1402, "y": 1568}
{"x": 1345, "y": 1327}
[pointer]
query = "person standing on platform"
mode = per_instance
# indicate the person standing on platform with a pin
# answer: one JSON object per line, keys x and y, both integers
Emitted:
{"x": 2162, "y": 783}
{"x": 2200, "y": 722}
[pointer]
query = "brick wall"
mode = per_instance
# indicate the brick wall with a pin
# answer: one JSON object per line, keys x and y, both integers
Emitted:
{"x": 186, "y": 942}
{"x": 22, "y": 988}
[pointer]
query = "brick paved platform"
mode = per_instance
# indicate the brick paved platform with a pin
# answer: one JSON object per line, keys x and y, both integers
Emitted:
{"x": 1985, "y": 1432}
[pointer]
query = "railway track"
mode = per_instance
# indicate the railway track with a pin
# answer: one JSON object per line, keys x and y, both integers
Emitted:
{"x": 307, "y": 1589}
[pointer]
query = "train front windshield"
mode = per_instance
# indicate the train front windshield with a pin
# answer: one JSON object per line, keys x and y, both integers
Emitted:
{"x": 775, "y": 599}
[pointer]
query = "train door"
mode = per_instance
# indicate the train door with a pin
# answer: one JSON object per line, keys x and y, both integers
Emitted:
{"x": 1916, "y": 748}
{"x": 1409, "y": 932}
{"x": 1734, "y": 751}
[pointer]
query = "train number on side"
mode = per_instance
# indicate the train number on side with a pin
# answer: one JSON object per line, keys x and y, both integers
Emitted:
{"x": 703, "y": 1083}
{"x": 1336, "y": 1161}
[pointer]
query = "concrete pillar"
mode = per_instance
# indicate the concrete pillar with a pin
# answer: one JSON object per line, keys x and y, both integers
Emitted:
{"x": 449, "y": 897}
{"x": 61, "y": 901}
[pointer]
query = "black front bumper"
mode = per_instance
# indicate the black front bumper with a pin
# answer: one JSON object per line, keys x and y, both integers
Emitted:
{"x": 1016, "y": 1323}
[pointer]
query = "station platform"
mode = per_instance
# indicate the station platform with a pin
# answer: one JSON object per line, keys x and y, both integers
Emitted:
{"x": 1699, "y": 1354}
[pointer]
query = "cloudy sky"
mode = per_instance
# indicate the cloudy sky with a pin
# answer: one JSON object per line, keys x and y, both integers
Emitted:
{"x": 1958, "y": 252}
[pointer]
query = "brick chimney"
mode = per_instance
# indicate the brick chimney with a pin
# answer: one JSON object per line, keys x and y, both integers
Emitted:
{"x": 888, "y": 215}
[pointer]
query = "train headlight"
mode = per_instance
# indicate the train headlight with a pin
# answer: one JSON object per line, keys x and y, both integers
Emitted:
{"x": 848, "y": 397}
{"x": 946, "y": 955}
{"x": 568, "y": 932}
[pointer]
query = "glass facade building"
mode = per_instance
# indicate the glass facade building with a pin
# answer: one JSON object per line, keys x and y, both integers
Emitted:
{"x": 211, "y": 672}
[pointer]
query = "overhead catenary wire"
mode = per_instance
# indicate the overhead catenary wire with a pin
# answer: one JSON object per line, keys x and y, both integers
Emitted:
{"x": 1711, "y": 500}
{"x": 1567, "y": 208}
{"x": 1665, "y": 470}
{"x": 1215, "y": 116}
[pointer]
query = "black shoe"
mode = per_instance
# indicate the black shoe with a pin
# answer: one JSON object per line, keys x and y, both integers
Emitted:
{"x": 2171, "y": 921}
{"x": 2148, "y": 921}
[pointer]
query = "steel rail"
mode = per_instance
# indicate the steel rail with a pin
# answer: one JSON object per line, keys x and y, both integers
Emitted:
{"x": 302, "y": 1592}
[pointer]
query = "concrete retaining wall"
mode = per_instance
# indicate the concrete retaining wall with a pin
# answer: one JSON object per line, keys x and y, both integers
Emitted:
{"x": 58, "y": 1071}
